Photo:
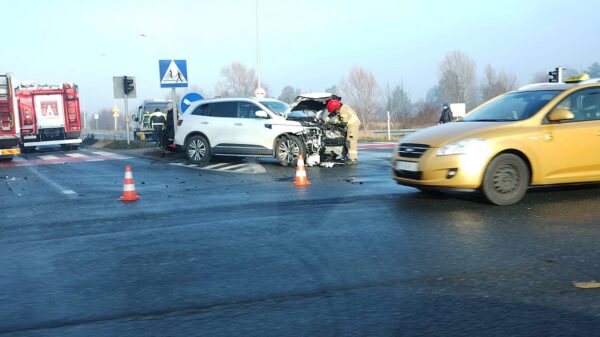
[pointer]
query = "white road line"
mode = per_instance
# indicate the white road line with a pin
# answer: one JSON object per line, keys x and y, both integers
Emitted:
{"x": 231, "y": 168}
{"x": 184, "y": 165}
{"x": 214, "y": 166}
{"x": 57, "y": 187}
{"x": 48, "y": 157}
{"x": 96, "y": 159}
{"x": 19, "y": 159}
{"x": 102, "y": 153}
{"x": 76, "y": 155}
{"x": 236, "y": 168}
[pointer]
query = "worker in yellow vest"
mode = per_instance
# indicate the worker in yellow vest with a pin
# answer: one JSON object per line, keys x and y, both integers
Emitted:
{"x": 349, "y": 117}
{"x": 158, "y": 119}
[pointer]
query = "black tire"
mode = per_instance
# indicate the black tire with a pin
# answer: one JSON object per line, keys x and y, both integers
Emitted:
{"x": 6, "y": 158}
{"x": 506, "y": 180}
{"x": 30, "y": 149}
{"x": 287, "y": 149}
{"x": 197, "y": 150}
{"x": 66, "y": 147}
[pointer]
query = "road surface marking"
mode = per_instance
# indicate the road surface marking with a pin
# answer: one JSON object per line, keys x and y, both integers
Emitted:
{"x": 70, "y": 194}
{"x": 77, "y": 155}
{"x": 231, "y": 168}
{"x": 227, "y": 167}
{"x": 48, "y": 157}
{"x": 62, "y": 158}
{"x": 214, "y": 166}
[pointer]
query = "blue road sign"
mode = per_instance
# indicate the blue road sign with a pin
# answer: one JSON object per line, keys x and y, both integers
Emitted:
{"x": 189, "y": 99}
{"x": 173, "y": 73}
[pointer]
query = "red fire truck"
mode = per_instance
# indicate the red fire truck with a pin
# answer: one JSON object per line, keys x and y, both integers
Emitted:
{"x": 48, "y": 115}
{"x": 9, "y": 140}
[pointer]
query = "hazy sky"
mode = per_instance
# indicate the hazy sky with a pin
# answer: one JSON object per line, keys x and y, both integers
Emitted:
{"x": 308, "y": 44}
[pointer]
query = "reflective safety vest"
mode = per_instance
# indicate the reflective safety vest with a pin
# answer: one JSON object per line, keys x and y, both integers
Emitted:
{"x": 158, "y": 118}
{"x": 348, "y": 115}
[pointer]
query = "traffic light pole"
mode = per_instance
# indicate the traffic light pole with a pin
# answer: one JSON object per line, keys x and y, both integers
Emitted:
{"x": 127, "y": 118}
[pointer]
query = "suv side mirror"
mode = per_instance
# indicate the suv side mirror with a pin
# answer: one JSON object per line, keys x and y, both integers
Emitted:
{"x": 560, "y": 114}
{"x": 261, "y": 114}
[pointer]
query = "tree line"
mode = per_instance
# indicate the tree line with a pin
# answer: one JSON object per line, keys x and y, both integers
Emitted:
{"x": 457, "y": 82}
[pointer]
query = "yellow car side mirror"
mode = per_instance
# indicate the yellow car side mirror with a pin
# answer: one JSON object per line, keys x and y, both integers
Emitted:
{"x": 560, "y": 114}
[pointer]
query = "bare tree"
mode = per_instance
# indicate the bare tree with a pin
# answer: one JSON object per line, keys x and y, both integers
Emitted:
{"x": 594, "y": 70}
{"x": 362, "y": 91}
{"x": 539, "y": 77}
{"x": 457, "y": 78}
{"x": 288, "y": 94}
{"x": 399, "y": 105}
{"x": 237, "y": 81}
{"x": 332, "y": 90}
{"x": 494, "y": 83}
{"x": 427, "y": 113}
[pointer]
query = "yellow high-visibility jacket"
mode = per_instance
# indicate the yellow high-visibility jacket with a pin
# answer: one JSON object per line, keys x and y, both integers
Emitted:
{"x": 349, "y": 116}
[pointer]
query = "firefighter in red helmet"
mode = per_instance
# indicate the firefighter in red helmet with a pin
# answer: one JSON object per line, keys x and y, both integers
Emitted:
{"x": 348, "y": 116}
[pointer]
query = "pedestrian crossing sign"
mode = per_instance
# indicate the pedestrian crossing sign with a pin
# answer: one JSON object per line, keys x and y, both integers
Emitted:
{"x": 173, "y": 73}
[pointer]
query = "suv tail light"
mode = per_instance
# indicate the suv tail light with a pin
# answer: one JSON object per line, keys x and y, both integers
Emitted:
{"x": 179, "y": 122}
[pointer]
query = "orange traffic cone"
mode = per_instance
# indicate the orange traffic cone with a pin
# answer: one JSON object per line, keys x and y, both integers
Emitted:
{"x": 128, "y": 187}
{"x": 301, "y": 179}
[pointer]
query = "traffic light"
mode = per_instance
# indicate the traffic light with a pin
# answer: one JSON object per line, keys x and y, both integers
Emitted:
{"x": 556, "y": 75}
{"x": 128, "y": 84}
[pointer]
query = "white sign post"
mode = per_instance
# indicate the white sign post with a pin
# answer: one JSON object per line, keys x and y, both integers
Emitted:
{"x": 96, "y": 117}
{"x": 388, "y": 126}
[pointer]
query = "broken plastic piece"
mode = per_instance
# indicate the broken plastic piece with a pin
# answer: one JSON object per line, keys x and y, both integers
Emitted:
{"x": 587, "y": 285}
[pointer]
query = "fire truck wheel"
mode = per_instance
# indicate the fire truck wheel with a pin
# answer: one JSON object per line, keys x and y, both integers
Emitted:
{"x": 6, "y": 158}
{"x": 27, "y": 149}
{"x": 69, "y": 147}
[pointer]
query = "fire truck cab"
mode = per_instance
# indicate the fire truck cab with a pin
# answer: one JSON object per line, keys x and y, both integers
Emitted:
{"x": 9, "y": 140}
{"x": 48, "y": 115}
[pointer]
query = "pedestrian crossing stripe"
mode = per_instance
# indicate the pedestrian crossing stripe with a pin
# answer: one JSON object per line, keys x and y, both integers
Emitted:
{"x": 31, "y": 160}
{"x": 251, "y": 168}
{"x": 173, "y": 75}
{"x": 76, "y": 155}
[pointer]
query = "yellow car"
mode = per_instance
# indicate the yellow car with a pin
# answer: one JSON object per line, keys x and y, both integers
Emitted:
{"x": 541, "y": 134}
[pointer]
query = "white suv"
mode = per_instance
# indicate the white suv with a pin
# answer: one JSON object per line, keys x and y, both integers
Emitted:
{"x": 239, "y": 127}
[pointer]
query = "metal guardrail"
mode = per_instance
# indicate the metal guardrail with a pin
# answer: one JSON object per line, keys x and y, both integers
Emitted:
{"x": 396, "y": 132}
{"x": 105, "y": 134}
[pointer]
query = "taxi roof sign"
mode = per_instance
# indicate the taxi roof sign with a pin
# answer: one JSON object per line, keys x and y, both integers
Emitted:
{"x": 579, "y": 78}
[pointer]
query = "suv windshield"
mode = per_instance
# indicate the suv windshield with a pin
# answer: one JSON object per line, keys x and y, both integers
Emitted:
{"x": 275, "y": 106}
{"x": 514, "y": 106}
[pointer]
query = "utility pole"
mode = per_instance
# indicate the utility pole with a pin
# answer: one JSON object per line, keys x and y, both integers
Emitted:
{"x": 257, "y": 49}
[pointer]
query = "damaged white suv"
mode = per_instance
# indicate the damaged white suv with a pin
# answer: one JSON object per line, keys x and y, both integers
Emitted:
{"x": 239, "y": 127}
{"x": 260, "y": 127}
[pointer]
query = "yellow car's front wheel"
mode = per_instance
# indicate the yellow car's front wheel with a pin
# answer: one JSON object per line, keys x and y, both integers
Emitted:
{"x": 506, "y": 179}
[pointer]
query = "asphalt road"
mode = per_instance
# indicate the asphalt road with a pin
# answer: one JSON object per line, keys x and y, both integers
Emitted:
{"x": 237, "y": 250}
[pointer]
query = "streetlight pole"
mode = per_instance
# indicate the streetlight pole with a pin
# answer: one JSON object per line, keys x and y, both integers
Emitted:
{"x": 257, "y": 49}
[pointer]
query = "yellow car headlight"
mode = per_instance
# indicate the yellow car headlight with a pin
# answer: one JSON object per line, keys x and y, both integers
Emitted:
{"x": 464, "y": 146}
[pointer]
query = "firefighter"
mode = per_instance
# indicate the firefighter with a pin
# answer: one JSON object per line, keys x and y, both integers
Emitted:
{"x": 157, "y": 123}
{"x": 346, "y": 115}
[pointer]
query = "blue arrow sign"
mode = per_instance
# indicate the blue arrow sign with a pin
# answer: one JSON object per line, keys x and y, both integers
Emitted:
{"x": 173, "y": 73}
{"x": 188, "y": 99}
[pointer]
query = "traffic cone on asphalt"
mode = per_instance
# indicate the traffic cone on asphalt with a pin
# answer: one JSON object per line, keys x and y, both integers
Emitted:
{"x": 301, "y": 179}
{"x": 128, "y": 187}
